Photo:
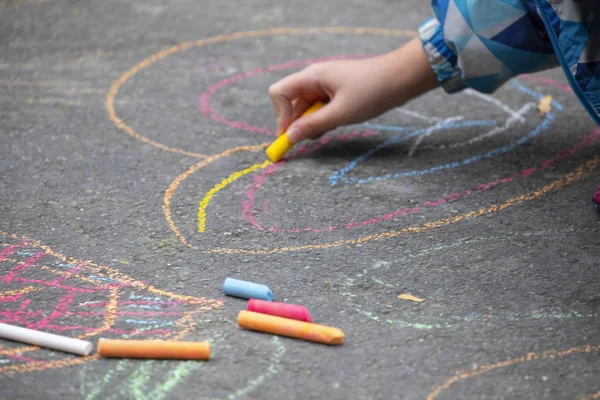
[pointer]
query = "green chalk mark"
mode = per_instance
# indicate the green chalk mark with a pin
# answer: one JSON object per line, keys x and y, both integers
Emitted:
{"x": 82, "y": 384}
{"x": 368, "y": 314}
{"x": 139, "y": 378}
{"x": 177, "y": 375}
{"x": 404, "y": 324}
{"x": 139, "y": 385}
{"x": 96, "y": 388}
{"x": 273, "y": 369}
{"x": 382, "y": 283}
{"x": 174, "y": 377}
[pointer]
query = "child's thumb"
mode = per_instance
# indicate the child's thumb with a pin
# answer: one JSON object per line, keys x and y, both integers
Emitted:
{"x": 313, "y": 125}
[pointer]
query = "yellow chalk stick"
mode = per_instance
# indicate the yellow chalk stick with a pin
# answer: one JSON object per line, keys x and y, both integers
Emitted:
{"x": 282, "y": 145}
{"x": 290, "y": 327}
{"x": 278, "y": 148}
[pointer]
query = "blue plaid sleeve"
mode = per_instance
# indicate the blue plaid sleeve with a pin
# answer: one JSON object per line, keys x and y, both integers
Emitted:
{"x": 481, "y": 44}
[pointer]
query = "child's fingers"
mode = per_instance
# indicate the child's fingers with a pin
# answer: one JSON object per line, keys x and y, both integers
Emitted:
{"x": 314, "y": 125}
{"x": 292, "y": 95}
{"x": 282, "y": 94}
{"x": 299, "y": 105}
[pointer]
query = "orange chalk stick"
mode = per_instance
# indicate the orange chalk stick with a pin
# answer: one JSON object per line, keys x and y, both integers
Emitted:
{"x": 157, "y": 349}
{"x": 289, "y": 327}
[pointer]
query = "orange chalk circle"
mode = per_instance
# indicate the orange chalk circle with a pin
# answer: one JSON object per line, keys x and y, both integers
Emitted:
{"x": 153, "y": 349}
{"x": 118, "y": 84}
{"x": 290, "y": 328}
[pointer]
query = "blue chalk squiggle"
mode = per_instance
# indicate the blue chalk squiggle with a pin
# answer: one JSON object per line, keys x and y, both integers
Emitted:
{"x": 339, "y": 176}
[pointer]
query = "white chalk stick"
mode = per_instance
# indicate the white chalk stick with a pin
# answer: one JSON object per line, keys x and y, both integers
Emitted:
{"x": 43, "y": 339}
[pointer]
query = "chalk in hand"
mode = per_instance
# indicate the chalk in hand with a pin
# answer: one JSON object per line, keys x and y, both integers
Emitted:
{"x": 545, "y": 104}
{"x": 289, "y": 327}
{"x": 282, "y": 145}
{"x": 284, "y": 310}
{"x": 246, "y": 290}
{"x": 156, "y": 349}
{"x": 43, "y": 339}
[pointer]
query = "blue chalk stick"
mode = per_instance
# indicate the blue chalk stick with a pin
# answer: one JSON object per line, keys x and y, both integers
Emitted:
{"x": 247, "y": 290}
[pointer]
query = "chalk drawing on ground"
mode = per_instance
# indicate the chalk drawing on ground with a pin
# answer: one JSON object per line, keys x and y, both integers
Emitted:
{"x": 532, "y": 357}
{"x": 515, "y": 116}
{"x": 118, "y": 84}
{"x": 152, "y": 379}
{"x": 417, "y": 321}
{"x": 43, "y": 289}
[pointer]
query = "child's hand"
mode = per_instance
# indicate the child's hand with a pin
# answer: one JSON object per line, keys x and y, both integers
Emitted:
{"x": 356, "y": 90}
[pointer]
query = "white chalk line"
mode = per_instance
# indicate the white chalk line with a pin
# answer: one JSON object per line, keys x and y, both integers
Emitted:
{"x": 492, "y": 132}
{"x": 429, "y": 131}
{"x": 496, "y": 102}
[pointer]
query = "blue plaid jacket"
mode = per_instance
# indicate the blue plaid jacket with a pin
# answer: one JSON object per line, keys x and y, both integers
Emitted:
{"x": 483, "y": 43}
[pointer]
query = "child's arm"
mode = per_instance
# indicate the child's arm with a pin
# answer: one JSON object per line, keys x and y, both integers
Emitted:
{"x": 356, "y": 90}
{"x": 479, "y": 44}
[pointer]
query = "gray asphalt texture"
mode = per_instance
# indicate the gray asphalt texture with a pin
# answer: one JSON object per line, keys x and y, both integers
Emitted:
{"x": 514, "y": 280}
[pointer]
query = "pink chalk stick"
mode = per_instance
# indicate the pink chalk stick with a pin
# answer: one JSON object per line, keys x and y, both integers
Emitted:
{"x": 292, "y": 311}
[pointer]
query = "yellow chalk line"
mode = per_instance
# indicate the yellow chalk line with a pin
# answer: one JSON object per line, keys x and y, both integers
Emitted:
{"x": 216, "y": 188}
{"x": 116, "y": 85}
{"x": 175, "y": 184}
{"x": 548, "y": 354}
{"x": 571, "y": 177}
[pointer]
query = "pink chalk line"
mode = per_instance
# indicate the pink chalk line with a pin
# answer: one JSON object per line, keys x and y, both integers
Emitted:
{"x": 21, "y": 266}
{"x": 248, "y": 213}
{"x": 11, "y": 276}
{"x": 20, "y": 316}
{"x": 10, "y": 250}
{"x": 60, "y": 310}
{"x": 11, "y": 299}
